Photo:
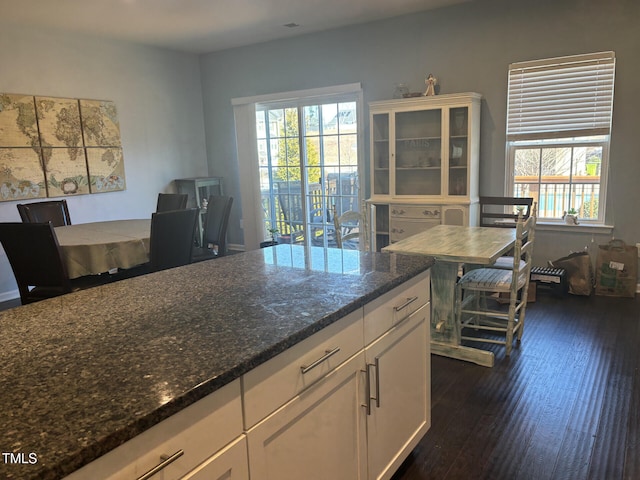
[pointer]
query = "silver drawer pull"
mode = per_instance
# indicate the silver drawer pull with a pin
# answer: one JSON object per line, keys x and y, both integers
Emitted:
{"x": 377, "y": 365}
{"x": 367, "y": 388}
{"x": 327, "y": 354}
{"x": 166, "y": 461}
{"x": 405, "y": 304}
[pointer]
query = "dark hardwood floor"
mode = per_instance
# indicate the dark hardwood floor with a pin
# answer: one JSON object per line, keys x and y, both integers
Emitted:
{"x": 564, "y": 406}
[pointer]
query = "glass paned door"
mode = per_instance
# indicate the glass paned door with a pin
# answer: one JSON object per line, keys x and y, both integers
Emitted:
{"x": 458, "y": 150}
{"x": 308, "y": 161}
{"x": 380, "y": 133}
{"x": 418, "y": 150}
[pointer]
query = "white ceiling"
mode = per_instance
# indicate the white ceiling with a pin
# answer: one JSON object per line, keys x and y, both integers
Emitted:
{"x": 200, "y": 26}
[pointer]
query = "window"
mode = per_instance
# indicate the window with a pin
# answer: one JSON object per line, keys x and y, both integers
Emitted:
{"x": 558, "y": 131}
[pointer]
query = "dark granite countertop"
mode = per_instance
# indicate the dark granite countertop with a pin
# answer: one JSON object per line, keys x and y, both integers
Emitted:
{"x": 85, "y": 372}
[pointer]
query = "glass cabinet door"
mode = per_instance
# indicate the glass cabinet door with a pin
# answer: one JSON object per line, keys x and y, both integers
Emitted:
{"x": 380, "y": 133}
{"x": 418, "y": 149}
{"x": 458, "y": 150}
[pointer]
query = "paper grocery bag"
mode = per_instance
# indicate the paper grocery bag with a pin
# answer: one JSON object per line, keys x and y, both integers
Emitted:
{"x": 617, "y": 269}
{"x": 579, "y": 272}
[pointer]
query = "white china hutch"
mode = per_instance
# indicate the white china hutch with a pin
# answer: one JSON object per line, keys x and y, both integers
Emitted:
{"x": 424, "y": 164}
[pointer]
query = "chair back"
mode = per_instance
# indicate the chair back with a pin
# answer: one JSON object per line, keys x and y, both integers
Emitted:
{"x": 216, "y": 222}
{"x": 291, "y": 219}
{"x": 503, "y": 212}
{"x": 523, "y": 250}
{"x": 172, "y": 237}
{"x": 54, "y": 211}
{"x": 171, "y": 201}
{"x": 34, "y": 255}
{"x": 350, "y": 230}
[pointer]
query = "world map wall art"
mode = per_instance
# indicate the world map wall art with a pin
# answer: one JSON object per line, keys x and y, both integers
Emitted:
{"x": 54, "y": 147}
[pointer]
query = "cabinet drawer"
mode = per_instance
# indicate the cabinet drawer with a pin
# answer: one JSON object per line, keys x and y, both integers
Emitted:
{"x": 416, "y": 211}
{"x": 199, "y": 430}
{"x": 391, "y": 308}
{"x": 402, "y": 228}
{"x": 230, "y": 463}
{"x": 275, "y": 382}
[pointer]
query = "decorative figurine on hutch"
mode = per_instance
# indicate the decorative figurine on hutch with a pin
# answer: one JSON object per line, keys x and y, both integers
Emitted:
{"x": 430, "y": 82}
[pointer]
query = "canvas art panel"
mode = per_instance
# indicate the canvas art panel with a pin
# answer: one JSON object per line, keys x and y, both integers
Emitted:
{"x": 21, "y": 174}
{"x": 55, "y": 147}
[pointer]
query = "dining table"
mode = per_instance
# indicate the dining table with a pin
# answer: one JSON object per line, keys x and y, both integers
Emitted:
{"x": 453, "y": 246}
{"x": 100, "y": 247}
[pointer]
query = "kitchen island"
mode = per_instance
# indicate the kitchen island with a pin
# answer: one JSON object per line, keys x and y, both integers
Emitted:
{"x": 86, "y": 372}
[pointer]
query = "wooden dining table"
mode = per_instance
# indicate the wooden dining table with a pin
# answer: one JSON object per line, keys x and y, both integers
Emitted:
{"x": 452, "y": 246}
{"x": 100, "y": 247}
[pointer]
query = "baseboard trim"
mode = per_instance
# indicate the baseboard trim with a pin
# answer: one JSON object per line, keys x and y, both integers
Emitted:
{"x": 10, "y": 295}
{"x": 236, "y": 247}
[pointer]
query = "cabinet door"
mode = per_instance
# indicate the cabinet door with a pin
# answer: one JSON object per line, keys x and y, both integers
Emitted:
{"x": 459, "y": 152}
{"x": 455, "y": 215}
{"x": 399, "y": 365}
{"x": 230, "y": 463}
{"x": 418, "y": 152}
{"x": 380, "y": 154}
{"x": 318, "y": 435}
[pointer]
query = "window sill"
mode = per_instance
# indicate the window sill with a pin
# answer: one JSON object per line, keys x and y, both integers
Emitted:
{"x": 581, "y": 228}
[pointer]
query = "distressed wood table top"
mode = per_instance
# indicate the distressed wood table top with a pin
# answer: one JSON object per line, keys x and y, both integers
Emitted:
{"x": 452, "y": 243}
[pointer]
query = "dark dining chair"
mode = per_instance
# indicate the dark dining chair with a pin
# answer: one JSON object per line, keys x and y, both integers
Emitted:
{"x": 171, "y": 201}
{"x": 34, "y": 254}
{"x": 172, "y": 237}
{"x": 214, "y": 238}
{"x": 54, "y": 211}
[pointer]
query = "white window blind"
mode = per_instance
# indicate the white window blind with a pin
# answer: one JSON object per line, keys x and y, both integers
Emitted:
{"x": 561, "y": 97}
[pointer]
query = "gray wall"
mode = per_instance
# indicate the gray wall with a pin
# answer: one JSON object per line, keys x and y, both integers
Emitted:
{"x": 468, "y": 47}
{"x": 158, "y": 96}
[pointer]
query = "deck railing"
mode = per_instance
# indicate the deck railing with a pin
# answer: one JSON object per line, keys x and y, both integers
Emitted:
{"x": 283, "y": 209}
{"x": 555, "y": 195}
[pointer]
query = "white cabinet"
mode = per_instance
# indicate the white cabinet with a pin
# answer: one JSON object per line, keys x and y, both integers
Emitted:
{"x": 360, "y": 418}
{"x": 230, "y": 463}
{"x": 399, "y": 370}
{"x": 319, "y": 435}
{"x": 424, "y": 152}
{"x": 191, "y": 436}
